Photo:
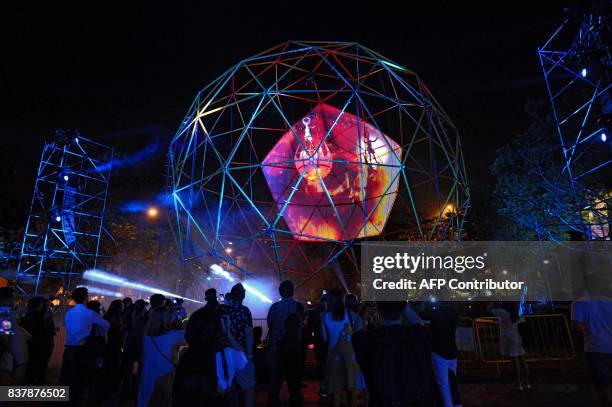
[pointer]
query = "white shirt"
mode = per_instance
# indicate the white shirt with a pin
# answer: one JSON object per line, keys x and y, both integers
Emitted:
{"x": 597, "y": 316}
{"x": 78, "y": 321}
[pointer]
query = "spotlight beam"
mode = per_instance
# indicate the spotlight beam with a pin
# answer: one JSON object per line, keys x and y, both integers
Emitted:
{"x": 218, "y": 271}
{"x": 102, "y": 291}
{"x": 256, "y": 293}
{"x": 118, "y": 281}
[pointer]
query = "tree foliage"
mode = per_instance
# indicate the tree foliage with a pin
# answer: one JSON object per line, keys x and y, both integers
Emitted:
{"x": 531, "y": 189}
{"x": 141, "y": 250}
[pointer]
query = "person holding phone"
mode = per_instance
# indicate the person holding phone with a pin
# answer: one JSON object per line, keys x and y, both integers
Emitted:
{"x": 13, "y": 342}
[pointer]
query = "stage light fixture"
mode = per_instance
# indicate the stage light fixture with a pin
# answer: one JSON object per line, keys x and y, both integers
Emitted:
{"x": 604, "y": 137}
{"x": 66, "y": 178}
{"x": 58, "y": 218}
{"x": 583, "y": 72}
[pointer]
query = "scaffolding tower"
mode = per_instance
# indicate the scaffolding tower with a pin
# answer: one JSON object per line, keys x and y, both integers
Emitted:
{"x": 65, "y": 223}
{"x": 576, "y": 65}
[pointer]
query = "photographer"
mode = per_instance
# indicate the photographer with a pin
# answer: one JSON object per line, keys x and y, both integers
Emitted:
{"x": 38, "y": 321}
{"x": 13, "y": 344}
{"x": 178, "y": 312}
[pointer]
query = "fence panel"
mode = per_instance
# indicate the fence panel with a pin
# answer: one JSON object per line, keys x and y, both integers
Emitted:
{"x": 545, "y": 337}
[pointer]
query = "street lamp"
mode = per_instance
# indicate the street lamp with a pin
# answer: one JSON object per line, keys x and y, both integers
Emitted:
{"x": 448, "y": 210}
{"x": 152, "y": 213}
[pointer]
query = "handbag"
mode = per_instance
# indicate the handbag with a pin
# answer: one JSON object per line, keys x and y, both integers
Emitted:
{"x": 95, "y": 347}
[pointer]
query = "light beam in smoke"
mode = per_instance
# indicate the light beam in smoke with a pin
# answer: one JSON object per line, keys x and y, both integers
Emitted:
{"x": 118, "y": 281}
{"x": 102, "y": 291}
{"x": 218, "y": 270}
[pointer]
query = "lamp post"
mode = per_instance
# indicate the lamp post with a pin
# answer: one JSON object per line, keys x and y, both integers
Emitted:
{"x": 152, "y": 212}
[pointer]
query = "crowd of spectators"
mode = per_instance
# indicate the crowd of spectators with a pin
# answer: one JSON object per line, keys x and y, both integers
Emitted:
{"x": 378, "y": 354}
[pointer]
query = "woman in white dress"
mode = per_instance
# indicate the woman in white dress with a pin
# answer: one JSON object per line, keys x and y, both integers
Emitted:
{"x": 338, "y": 325}
{"x": 511, "y": 343}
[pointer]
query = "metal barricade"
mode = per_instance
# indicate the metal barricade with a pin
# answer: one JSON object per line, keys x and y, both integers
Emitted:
{"x": 465, "y": 338}
{"x": 544, "y": 338}
{"x": 263, "y": 323}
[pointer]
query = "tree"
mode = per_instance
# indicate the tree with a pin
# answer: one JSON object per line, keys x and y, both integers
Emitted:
{"x": 531, "y": 189}
{"x": 141, "y": 250}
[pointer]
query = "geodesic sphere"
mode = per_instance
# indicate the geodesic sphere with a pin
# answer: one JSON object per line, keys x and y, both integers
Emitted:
{"x": 290, "y": 158}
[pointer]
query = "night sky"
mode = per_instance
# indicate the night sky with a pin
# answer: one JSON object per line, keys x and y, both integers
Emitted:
{"x": 126, "y": 76}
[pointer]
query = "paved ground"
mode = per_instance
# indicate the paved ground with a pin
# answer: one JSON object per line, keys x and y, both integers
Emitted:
{"x": 541, "y": 395}
{"x": 496, "y": 395}
{"x": 555, "y": 384}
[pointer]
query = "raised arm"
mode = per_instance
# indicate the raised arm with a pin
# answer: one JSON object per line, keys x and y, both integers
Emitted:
{"x": 412, "y": 316}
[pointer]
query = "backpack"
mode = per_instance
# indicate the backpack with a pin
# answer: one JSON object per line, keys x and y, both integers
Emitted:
{"x": 292, "y": 338}
{"x": 191, "y": 384}
{"x": 402, "y": 367}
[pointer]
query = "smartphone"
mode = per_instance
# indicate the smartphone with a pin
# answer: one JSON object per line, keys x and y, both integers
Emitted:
{"x": 7, "y": 324}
